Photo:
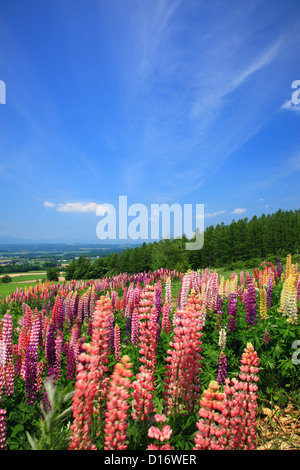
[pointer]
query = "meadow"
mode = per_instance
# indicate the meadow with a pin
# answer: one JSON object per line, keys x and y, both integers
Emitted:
{"x": 158, "y": 360}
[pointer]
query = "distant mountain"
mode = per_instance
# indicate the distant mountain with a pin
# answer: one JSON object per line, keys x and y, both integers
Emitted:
{"x": 93, "y": 243}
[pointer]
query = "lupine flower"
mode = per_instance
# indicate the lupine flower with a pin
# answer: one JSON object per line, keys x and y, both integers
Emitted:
{"x": 30, "y": 374}
{"x": 222, "y": 371}
{"x": 168, "y": 292}
{"x": 111, "y": 342}
{"x": 263, "y": 303}
{"x": 9, "y": 379}
{"x": 135, "y": 327}
{"x": 143, "y": 396}
{"x": 182, "y": 373}
{"x": 7, "y": 337}
{"x": 117, "y": 406}
{"x": 185, "y": 290}
{"x": 2, "y": 379}
{"x": 288, "y": 301}
{"x": 232, "y": 311}
{"x": 58, "y": 351}
{"x": 166, "y": 325}
{"x": 50, "y": 345}
{"x": 117, "y": 343}
{"x": 248, "y": 397}
{"x": 222, "y": 339}
{"x": 160, "y": 433}
{"x": 2, "y": 429}
{"x": 211, "y": 424}
{"x": 269, "y": 292}
{"x": 250, "y": 302}
{"x": 82, "y": 407}
{"x": 266, "y": 337}
{"x": 91, "y": 382}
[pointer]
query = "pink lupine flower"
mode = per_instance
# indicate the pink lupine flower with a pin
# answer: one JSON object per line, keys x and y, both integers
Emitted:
{"x": 211, "y": 424}
{"x": 2, "y": 429}
{"x": 182, "y": 376}
{"x": 160, "y": 433}
{"x": 135, "y": 327}
{"x": 117, "y": 343}
{"x": 91, "y": 383}
{"x": 117, "y": 406}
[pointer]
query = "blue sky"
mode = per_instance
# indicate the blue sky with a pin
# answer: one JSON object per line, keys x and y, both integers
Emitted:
{"x": 162, "y": 101}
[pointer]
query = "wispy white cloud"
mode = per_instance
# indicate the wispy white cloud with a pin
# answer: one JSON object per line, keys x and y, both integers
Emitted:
{"x": 78, "y": 207}
{"x": 239, "y": 210}
{"x": 290, "y": 106}
{"x": 214, "y": 214}
{"x": 48, "y": 204}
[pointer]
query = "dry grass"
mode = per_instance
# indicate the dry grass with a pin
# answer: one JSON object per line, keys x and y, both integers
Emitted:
{"x": 278, "y": 429}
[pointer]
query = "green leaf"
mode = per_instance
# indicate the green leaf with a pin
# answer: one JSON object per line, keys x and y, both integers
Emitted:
{"x": 18, "y": 428}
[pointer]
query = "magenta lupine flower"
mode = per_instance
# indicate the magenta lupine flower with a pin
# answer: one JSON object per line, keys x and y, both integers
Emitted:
{"x": 269, "y": 292}
{"x": 266, "y": 337}
{"x": 232, "y": 310}
{"x": 71, "y": 362}
{"x": 222, "y": 372}
{"x": 9, "y": 379}
{"x": 60, "y": 314}
{"x": 135, "y": 327}
{"x": 2, "y": 429}
{"x": 157, "y": 301}
{"x": 50, "y": 345}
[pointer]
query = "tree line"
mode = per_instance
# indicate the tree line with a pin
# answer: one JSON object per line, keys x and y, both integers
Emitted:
{"x": 242, "y": 243}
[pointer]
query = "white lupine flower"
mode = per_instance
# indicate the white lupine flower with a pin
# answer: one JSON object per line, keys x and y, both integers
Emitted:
{"x": 222, "y": 339}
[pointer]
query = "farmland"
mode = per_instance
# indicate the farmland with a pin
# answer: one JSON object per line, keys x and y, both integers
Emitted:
{"x": 141, "y": 358}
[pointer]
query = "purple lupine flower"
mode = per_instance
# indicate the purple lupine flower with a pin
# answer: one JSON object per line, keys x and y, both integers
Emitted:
{"x": 31, "y": 361}
{"x": 71, "y": 362}
{"x": 269, "y": 292}
{"x": 222, "y": 368}
{"x": 157, "y": 302}
{"x": 232, "y": 310}
{"x": 60, "y": 314}
{"x": 50, "y": 345}
{"x": 135, "y": 327}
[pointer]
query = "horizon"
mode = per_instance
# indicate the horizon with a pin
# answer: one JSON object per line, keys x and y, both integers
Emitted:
{"x": 162, "y": 101}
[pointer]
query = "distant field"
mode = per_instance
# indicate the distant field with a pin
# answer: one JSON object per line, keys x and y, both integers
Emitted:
{"x": 28, "y": 277}
{"x": 8, "y": 289}
{"x": 22, "y": 280}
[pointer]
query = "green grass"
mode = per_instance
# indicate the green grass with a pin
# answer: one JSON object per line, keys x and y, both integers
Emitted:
{"x": 8, "y": 289}
{"x": 28, "y": 277}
